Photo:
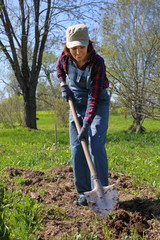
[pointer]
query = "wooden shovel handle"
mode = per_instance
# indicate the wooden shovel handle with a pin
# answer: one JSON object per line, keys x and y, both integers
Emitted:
{"x": 83, "y": 142}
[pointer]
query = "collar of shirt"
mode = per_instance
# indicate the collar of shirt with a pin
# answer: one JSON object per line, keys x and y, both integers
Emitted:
{"x": 90, "y": 60}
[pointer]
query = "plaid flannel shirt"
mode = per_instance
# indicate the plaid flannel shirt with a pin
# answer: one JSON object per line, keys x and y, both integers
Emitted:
{"x": 98, "y": 79}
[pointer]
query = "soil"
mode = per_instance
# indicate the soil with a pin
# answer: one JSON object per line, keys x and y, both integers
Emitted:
{"x": 138, "y": 210}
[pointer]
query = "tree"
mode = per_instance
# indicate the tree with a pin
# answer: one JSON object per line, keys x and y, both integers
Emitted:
{"x": 131, "y": 48}
{"x": 24, "y": 29}
{"x": 27, "y": 76}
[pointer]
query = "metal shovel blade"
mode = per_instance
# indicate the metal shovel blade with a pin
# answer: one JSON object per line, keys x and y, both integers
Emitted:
{"x": 102, "y": 201}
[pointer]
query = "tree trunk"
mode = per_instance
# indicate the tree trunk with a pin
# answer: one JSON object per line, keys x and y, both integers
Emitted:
{"x": 29, "y": 95}
{"x": 136, "y": 126}
{"x": 139, "y": 127}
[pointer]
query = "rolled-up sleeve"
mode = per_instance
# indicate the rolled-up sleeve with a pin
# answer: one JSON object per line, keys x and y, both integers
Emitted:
{"x": 99, "y": 81}
{"x": 61, "y": 68}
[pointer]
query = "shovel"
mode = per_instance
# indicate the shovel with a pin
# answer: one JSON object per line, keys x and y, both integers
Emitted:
{"x": 102, "y": 200}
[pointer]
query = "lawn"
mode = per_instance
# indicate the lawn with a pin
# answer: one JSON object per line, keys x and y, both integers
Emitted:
{"x": 136, "y": 155}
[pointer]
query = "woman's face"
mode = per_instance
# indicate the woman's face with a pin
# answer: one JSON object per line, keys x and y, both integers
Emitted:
{"x": 79, "y": 53}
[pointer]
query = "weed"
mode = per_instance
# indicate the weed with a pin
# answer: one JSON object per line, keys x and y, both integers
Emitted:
{"x": 20, "y": 216}
{"x": 4, "y": 231}
{"x": 107, "y": 232}
{"x": 157, "y": 194}
{"x": 42, "y": 192}
{"x": 133, "y": 236}
{"x": 56, "y": 213}
{"x": 81, "y": 236}
{"x": 19, "y": 180}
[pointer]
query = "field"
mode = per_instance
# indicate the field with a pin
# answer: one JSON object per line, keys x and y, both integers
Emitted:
{"x": 37, "y": 172}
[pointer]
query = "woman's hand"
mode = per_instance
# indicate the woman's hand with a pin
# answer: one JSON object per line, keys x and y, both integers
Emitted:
{"x": 84, "y": 132}
{"x": 66, "y": 92}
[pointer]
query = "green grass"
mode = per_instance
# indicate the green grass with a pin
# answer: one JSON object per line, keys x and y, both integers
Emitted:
{"x": 137, "y": 155}
{"x": 20, "y": 216}
{"x": 34, "y": 149}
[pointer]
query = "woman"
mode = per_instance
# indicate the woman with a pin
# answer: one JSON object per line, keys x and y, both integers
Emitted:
{"x": 87, "y": 80}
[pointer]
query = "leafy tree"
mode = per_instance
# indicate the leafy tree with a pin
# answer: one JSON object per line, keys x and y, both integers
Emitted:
{"x": 130, "y": 35}
{"x": 25, "y": 27}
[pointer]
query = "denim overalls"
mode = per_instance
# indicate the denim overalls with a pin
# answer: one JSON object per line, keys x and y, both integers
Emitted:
{"x": 79, "y": 82}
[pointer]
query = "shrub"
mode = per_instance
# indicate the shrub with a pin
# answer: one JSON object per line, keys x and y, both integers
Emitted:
{"x": 11, "y": 111}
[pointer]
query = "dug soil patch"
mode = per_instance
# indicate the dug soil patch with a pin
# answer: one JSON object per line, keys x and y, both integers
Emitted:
{"x": 138, "y": 213}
